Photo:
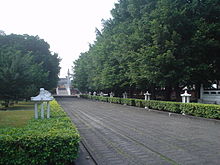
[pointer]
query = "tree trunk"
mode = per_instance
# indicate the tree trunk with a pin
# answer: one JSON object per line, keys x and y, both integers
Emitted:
{"x": 6, "y": 104}
{"x": 178, "y": 93}
{"x": 168, "y": 91}
{"x": 197, "y": 91}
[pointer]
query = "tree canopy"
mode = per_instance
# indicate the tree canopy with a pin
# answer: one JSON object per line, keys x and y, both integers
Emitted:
{"x": 149, "y": 44}
{"x": 26, "y": 64}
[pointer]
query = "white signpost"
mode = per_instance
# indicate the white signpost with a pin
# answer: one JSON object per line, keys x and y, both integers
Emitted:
{"x": 43, "y": 97}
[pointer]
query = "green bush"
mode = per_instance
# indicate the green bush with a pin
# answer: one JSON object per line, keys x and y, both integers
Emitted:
{"x": 85, "y": 96}
{"x": 163, "y": 105}
{"x": 116, "y": 100}
{"x": 195, "y": 109}
{"x": 128, "y": 101}
{"x": 201, "y": 110}
{"x": 105, "y": 99}
{"x": 42, "y": 141}
{"x": 139, "y": 103}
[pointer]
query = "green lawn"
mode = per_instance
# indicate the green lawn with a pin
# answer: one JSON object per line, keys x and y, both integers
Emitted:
{"x": 17, "y": 115}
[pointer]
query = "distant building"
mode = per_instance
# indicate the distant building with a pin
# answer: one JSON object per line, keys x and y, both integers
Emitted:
{"x": 62, "y": 82}
{"x": 64, "y": 86}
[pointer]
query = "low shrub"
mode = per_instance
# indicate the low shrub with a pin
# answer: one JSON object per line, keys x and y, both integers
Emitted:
{"x": 139, "y": 103}
{"x": 128, "y": 101}
{"x": 105, "y": 99}
{"x": 116, "y": 100}
{"x": 163, "y": 105}
{"x": 85, "y": 96}
{"x": 42, "y": 141}
{"x": 201, "y": 110}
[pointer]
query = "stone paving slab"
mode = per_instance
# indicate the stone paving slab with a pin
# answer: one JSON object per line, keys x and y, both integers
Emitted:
{"x": 118, "y": 134}
{"x": 84, "y": 158}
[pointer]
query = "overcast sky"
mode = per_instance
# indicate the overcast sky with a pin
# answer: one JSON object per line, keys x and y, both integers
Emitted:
{"x": 67, "y": 25}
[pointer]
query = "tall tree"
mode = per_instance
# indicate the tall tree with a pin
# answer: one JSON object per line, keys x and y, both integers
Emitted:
{"x": 151, "y": 44}
{"x": 26, "y": 64}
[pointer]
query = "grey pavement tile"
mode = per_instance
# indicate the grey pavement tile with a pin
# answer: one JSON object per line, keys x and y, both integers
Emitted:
{"x": 121, "y": 135}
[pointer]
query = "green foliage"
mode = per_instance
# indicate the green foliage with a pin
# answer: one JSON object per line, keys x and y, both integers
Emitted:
{"x": 139, "y": 103}
{"x": 105, "y": 99}
{"x": 195, "y": 109}
{"x": 153, "y": 44}
{"x": 26, "y": 64}
{"x": 128, "y": 101}
{"x": 164, "y": 105}
{"x": 114, "y": 100}
{"x": 15, "y": 118}
{"x": 201, "y": 110}
{"x": 85, "y": 96}
{"x": 42, "y": 141}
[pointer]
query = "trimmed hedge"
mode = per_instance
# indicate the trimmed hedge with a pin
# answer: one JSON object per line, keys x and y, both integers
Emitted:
{"x": 201, "y": 110}
{"x": 116, "y": 100}
{"x": 139, "y": 103}
{"x": 42, "y": 141}
{"x": 128, "y": 101}
{"x": 195, "y": 109}
{"x": 163, "y": 105}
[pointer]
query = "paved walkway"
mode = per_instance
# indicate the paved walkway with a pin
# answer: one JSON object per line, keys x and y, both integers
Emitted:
{"x": 120, "y": 135}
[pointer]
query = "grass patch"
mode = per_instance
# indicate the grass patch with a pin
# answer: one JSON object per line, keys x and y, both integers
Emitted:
{"x": 17, "y": 115}
{"x": 15, "y": 118}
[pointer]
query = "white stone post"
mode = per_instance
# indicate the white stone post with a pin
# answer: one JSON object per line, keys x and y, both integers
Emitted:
{"x": 188, "y": 99}
{"x": 101, "y": 94}
{"x": 42, "y": 110}
{"x": 48, "y": 109}
{"x": 146, "y": 97}
{"x": 43, "y": 98}
{"x": 185, "y": 97}
{"x": 94, "y": 93}
{"x": 125, "y": 96}
{"x": 111, "y": 94}
{"x": 35, "y": 111}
